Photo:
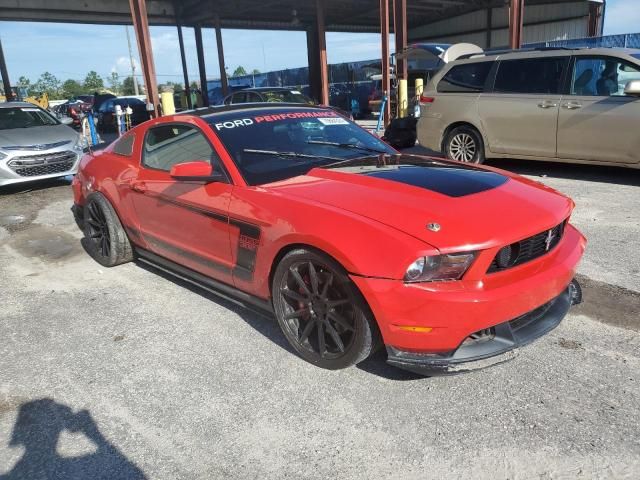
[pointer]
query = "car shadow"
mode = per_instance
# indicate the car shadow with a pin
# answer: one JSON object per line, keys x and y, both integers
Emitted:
{"x": 38, "y": 429}
{"x": 35, "y": 185}
{"x": 266, "y": 324}
{"x": 571, "y": 171}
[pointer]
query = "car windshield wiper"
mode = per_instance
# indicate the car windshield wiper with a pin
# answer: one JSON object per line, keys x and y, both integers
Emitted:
{"x": 275, "y": 153}
{"x": 350, "y": 146}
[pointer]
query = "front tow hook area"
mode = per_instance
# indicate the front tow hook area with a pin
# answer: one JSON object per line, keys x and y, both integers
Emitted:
{"x": 575, "y": 292}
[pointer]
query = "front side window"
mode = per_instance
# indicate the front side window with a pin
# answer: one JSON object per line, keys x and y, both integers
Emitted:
{"x": 25, "y": 117}
{"x": 531, "y": 76}
{"x": 168, "y": 145}
{"x": 469, "y": 77}
{"x": 602, "y": 76}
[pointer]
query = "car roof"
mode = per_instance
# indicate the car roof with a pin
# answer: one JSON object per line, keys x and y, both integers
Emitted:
{"x": 545, "y": 52}
{"x": 16, "y": 104}
{"x": 213, "y": 111}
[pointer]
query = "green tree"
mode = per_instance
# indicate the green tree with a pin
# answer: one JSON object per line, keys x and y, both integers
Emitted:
{"x": 194, "y": 85}
{"x": 93, "y": 82}
{"x": 255, "y": 71}
{"x": 24, "y": 82}
{"x": 239, "y": 71}
{"x": 72, "y": 88}
{"x": 49, "y": 84}
{"x": 127, "y": 86}
{"x": 114, "y": 82}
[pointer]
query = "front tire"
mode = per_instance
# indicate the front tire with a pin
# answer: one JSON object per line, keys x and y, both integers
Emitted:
{"x": 321, "y": 312}
{"x": 464, "y": 144}
{"x": 106, "y": 240}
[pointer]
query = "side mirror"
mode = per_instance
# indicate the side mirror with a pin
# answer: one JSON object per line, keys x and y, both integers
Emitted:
{"x": 194, "y": 171}
{"x": 632, "y": 88}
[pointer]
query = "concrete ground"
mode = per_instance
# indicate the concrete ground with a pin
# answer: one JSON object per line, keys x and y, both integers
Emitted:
{"x": 125, "y": 373}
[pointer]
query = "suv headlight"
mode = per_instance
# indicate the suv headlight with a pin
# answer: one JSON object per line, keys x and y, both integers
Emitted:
{"x": 81, "y": 143}
{"x": 439, "y": 268}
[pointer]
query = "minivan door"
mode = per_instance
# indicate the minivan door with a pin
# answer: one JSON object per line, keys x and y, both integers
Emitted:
{"x": 596, "y": 117}
{"x": 520, "y": 115}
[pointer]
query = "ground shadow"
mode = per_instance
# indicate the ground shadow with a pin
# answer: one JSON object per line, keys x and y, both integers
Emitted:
{"x": 38, "y": 428}
{"x": 266, "y": 325}
{"x": 35, "y": 185}
{"x": 571, "y": 171}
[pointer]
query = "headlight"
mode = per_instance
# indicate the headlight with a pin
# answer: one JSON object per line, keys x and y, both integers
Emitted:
{"x": 81, "y": 143}
{"x": 439, "y": 268}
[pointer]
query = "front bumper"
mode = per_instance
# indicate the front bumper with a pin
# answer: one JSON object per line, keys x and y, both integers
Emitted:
{"x": 497, "y": 346}
{"x": 43, "y": 165}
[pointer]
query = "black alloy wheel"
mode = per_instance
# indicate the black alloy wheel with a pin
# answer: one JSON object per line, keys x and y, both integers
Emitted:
{"x": 105, "y": 239}
{"x": 320, "y": 311}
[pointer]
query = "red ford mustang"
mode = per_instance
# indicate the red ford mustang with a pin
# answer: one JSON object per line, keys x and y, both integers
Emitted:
{"x": 298, "y": 211}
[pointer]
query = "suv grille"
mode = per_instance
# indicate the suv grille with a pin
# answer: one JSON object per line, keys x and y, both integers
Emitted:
{"x": 43, "y": 164}
{"x": 527, "y": 249}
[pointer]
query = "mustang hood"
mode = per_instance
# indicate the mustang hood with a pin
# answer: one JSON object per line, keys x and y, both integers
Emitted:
{"x": 476, "y": 207}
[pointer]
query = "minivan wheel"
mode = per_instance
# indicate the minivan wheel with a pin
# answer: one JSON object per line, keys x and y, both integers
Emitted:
{"x": 464, "y": 144}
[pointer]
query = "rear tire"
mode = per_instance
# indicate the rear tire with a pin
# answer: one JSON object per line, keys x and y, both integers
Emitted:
{"x": 464, "y": 144}
{"x": 105, "y": 238}
{"x": 321, "y": 312}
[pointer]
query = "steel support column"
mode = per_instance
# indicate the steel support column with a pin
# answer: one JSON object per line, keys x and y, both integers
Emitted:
{"x": 489, "y": 27}
{"x": 5, "y": 75}
{"x": 223, "y": 69}
{"x": 400, "y": 29}
{"x": 141, "y": 27}
{"x": 516, "y": 17}
{"x": 322, "y": 52}
{"x": 317, "y": 55}
{"x": 595, "y": 18}
{"x": 386, "y": 81}
{"x": 185, "y": 72}
{"x": 201, "y": 67}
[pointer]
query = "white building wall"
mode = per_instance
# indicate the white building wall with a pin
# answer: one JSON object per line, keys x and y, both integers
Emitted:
{"x": 541, "y": 23}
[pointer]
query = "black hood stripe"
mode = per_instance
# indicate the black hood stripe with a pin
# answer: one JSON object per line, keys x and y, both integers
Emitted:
{"x": 442, "y": 177}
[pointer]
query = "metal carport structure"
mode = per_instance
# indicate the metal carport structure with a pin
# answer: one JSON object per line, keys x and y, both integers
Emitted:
{"x": 315, "y": 17}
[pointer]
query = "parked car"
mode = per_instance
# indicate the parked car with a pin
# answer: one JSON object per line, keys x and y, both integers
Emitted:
{"x": 34, "y": 145}
{"x": 275, "y": 95}
{"x": 561, "y": 105}
{"x": 107, "y": 112}
{"x": 297, "y": 211}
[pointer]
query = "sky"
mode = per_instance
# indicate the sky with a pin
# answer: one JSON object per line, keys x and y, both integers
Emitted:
{"x": 70, "y": 51}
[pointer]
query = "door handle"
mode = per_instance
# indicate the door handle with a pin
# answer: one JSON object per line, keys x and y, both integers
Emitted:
{"x": 547, "y": 104}
{"x": 572, "y": 105}
{"x": 139, "y": 187}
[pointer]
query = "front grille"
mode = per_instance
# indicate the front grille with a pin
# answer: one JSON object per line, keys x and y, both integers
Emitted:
{"x": 527, "y": 249}
{"x": 43, "y": 164}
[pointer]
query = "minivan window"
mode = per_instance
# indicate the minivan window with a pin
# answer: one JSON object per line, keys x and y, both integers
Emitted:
{"x": 531, "y": 75}
{"x": 469, "y": 77}
{"x": 602, "y": 76}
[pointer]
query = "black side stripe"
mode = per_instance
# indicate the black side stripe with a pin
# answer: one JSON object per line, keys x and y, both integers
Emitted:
{"x": 248, "y": 240}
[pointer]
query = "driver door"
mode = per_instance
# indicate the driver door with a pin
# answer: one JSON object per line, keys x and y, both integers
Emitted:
{"x": 184, "y": 221}
{"x": 596, "y": 118}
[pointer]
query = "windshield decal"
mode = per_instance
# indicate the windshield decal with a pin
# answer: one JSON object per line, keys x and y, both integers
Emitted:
{"x": 333, "y": 121}
{"x": 327, "y": 118}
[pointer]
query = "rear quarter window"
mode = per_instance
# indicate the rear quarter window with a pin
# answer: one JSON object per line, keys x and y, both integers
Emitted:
{"x": 124, "y": 146}
{"x": 469, "y": 77}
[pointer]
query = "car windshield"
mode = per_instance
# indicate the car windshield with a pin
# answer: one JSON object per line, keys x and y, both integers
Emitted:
{"x": 270, "y": 145}
{"x": 24, "y": 117}
{"x": 285, "y": 96}
{"x": 636, "y": 55}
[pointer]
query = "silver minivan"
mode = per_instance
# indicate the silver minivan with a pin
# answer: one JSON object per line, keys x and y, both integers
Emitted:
{"x": 578, "y": 106}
